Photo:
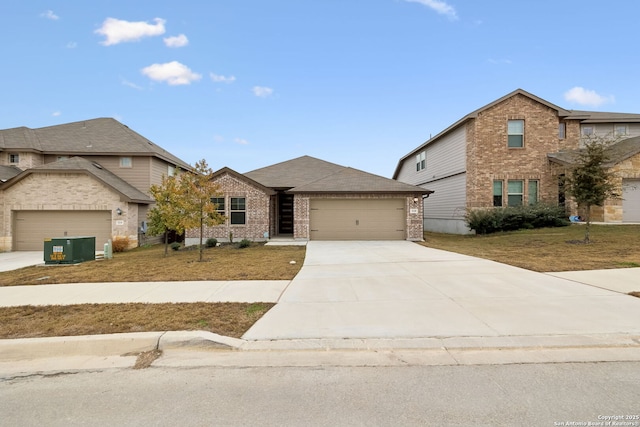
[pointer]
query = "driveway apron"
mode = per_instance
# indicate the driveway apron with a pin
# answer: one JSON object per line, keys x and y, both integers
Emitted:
{"x": 400, "y": 289}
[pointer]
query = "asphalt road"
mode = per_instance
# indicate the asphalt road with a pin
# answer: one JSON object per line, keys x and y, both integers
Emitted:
{"x": 489, "y": 395}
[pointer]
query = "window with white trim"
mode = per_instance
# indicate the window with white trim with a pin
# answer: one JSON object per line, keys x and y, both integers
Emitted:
{"x": 126, "y": 162}
{"x": 171, "y": 170}
{"x": 421, "y": 161}
{"x": 619, "y": 130}
{"x": 562, "y": 130}
{"x": 238, "y": 211}
{"x": 587, "y": 130}
{"x": 515, "y": 192}
{"x": 219, "y": 202}
{"x": 515, "y": 131}
{"x": 14, "y": 158}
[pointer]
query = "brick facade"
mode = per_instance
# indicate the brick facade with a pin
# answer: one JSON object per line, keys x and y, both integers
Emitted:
{"x": 66, "y": 192}
{"x": 489, "y": 158}
{"x": 257, "y": 212}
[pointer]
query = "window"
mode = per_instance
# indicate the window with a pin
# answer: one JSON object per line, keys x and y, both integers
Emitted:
{"x": 219, "y": 202}
{"x": 171, "y": 170}
{"x": 238, "y": 210}
{"x": 587, "y": 130}
{"x": 421, "y": 161}
{"x": 61, "y": 158}
{"x": 125, "y": 162}
{"x": 514, "y": 192}
{"x": 533, "y": 192}
{"x": 497, "y": 193}
{"x": 515, "y": 134}
{"x": 14, "y": 158}
{"x": 619, "y": 130}
{"x": 562, "y": 130}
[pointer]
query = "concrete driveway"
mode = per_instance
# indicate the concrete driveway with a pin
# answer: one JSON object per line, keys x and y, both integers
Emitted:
{"x": 14, "y": 260}
{"x": 400, "y": 289}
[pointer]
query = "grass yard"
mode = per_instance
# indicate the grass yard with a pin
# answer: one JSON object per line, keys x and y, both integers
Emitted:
{"x": 229, "y": 319}
{"x": 148, "y": 264}
{"x": 550, "y": 249}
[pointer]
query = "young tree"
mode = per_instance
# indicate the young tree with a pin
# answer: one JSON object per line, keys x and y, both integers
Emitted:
{"x": 166, "y": 215}
{"x": 589, "y": 181}
{"x": 197, "y": 209}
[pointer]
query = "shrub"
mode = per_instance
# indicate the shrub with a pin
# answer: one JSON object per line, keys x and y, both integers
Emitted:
{"x": 120, "y": 244}
{"x": 485, "y": 221}
{"x": 211, "y": 242}
{"x": 175, "y": 246}
{"x": 244, "y": 243}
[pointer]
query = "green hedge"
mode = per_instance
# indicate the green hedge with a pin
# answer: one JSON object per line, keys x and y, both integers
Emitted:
{"x": 486, "y": 221}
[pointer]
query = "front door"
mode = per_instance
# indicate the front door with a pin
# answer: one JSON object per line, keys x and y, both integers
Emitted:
{"x": 285, "y": 213}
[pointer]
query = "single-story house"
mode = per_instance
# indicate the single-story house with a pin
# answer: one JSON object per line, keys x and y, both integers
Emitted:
{"x": 311, "y": 199}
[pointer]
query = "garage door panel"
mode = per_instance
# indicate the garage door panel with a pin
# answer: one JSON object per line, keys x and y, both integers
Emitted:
{"x": 32, "y": 227}
{"x": 631, "y": 200}
{"x": 357, "y": 219}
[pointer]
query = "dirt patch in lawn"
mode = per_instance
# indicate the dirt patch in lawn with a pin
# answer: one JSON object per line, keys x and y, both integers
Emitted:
{"x": 228, "y": 319}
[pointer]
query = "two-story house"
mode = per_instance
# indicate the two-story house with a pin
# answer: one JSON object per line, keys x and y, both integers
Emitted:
{"x": 512, "y": 152}
{"x": 88, "y": 178}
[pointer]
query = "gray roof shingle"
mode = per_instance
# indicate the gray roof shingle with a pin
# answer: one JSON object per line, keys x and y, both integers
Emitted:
{"x": 102, "y": 136}
{"x": 310, "y": 175}
{"x": 616, "y": 153}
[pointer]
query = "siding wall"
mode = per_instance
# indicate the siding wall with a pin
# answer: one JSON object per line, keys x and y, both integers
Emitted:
{"x": 606, "y": 129}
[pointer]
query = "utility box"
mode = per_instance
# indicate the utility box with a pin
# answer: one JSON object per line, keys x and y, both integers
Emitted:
{"x": 69, "y": 250}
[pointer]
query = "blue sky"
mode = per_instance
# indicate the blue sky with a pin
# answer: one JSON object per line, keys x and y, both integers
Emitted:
{"x": 249, "y": 83}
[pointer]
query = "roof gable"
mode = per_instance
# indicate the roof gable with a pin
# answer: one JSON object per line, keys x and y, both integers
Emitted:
{"x": 80, "y": 165}
{"x": 243, "y": 178}
{"x": 616, "y": 153}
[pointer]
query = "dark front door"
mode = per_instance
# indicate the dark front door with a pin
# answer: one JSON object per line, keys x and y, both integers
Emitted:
{"x": 285, "y": 213}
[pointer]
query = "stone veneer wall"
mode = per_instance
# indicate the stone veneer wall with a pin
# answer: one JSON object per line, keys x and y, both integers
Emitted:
{"x": 257, "y": 212}
{"x": 489, "y": 158}
{"x": 66, "y": 191}
{"x": 301, "y": 203}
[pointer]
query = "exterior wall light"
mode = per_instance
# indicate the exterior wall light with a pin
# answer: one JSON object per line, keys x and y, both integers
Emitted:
{"x": 119, "y": 211}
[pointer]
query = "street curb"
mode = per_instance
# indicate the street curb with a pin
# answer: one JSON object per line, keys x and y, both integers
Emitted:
{"x": 132, "y": 343}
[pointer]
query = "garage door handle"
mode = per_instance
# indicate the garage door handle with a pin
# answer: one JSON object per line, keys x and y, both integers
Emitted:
{"x": 357, "y": 222}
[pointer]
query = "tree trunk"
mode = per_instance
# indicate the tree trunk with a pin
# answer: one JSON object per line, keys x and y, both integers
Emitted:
{"x": 201, "y": 233}
{"x": 587, "y": 225}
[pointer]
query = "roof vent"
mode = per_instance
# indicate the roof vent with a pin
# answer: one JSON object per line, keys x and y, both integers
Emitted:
{"x": 97, "y": 165}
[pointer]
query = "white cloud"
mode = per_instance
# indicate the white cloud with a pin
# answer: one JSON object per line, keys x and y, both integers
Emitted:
{"x": 72, "y": 45}
{"x": 582, "y": 96}
{"x": 218, "y": 138}
{"x": 176, "y": 41}
{"x": 439, "y": 6}
{"x": 262, "y": 91}
{"x": 50, "y": 15}
{"x": 131, "y": 85}
{"x": 174, "y": 73}
{"x": 241, "y": 141}
{"x": 119, "y": 31}
{"x": 217, "y": 78}
{"x": 56, "y": 114}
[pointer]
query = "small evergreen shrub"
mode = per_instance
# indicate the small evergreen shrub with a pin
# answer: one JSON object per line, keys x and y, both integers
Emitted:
{"x": 244, "y": 243}
{"x": 175, "y": 246}
{"x": 211, "y": 242}
{"x": 486, "y": 221}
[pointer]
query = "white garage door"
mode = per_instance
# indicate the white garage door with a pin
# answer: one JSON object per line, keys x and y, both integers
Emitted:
{"x": 631, "y": 200}
{"x": 32, "y": 227}
{"x": 357, "y": 219}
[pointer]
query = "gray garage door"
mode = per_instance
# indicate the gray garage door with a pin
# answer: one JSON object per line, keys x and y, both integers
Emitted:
{"x": 357, "y": 219}
{"x": 631, "y": 200}
{"x": 32, "y": 227}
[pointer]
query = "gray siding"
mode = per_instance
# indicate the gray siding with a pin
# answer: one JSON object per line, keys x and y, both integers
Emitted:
{"x": 449, "y": 199}
{"x": 444, "y": 157}
{"x": 159, "y": 168}
{"x": 137, "y": 175}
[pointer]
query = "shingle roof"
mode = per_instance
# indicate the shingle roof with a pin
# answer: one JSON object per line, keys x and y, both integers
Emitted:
{"x": 294, "y": 172}
{"x": 79, "y": 164}
{"x": 8, "y": 172}
{"x": 243, "y": 178}
{"x": 616, "y": 153}
{"x": 310, "y": 175}
{"x": 89, "y": 137}
{"x": 603, "y": 117}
